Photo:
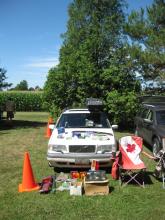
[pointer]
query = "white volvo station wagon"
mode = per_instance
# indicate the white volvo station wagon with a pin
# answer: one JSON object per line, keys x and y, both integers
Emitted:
{"x": 80, "y": 136}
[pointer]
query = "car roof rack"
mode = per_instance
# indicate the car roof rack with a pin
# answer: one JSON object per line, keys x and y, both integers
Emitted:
{"x": 94, "y": 104}
{"x": 153, "y": 100}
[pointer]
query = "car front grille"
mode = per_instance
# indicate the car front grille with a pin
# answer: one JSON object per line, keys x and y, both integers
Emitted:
{"x": 82, "y": 148}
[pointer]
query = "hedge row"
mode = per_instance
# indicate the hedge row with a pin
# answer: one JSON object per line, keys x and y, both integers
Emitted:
{"x": 24, "y": 101}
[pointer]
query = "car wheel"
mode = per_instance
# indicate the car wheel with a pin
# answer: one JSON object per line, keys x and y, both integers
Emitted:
{"x": 156, "y": 147}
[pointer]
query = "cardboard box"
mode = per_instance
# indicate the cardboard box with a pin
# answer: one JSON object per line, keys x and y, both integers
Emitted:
{"x": 92, "y": 188}
{"x": 76, "y": 189}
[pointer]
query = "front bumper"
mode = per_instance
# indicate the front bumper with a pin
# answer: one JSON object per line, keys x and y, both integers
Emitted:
{"x": 79, "y": 160}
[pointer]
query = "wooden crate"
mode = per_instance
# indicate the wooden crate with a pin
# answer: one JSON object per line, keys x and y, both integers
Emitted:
{"x": 92, "y": 188}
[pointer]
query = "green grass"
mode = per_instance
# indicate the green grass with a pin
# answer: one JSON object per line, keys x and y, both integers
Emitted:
{"x": 28, "y": 134}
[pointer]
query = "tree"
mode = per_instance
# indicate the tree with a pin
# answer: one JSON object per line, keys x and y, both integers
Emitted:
{"x": 55, "y": 94}
{"x": 37, "y": 88}
{"x": 3, "y": 77}
{"x": 31, "y": 89}
{"x": 147, "y": 32}
{"x": 92, "y": 36}
{"x": 120, "y": 88}
{"x": 22, "y": 86}
{"x": 93, "y": 33}
{"x": 94, "y": 60}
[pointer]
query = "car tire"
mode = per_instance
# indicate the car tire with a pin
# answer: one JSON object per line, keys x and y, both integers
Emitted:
{"x": 156, "y": 147}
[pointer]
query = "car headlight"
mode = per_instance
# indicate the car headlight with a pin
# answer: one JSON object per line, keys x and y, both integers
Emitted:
{"x": 57, "y": 147}
{"x": 106, "y": 148}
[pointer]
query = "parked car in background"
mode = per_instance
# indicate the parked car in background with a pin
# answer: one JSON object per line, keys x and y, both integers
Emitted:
{"x": 150, "y": 125}
{"x": 80, "y": 136}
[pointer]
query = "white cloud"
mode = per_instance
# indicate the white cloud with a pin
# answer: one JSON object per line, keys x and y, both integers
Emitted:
{"x": 33, "y": 77}
{"x": 46, "y": 62}
{"x": 35, "y": 70}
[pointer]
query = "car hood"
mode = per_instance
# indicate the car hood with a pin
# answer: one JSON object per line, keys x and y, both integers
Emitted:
{"x": 82, "y": 136}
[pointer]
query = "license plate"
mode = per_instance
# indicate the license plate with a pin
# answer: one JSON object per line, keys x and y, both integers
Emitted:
{"x": 81, "y": 161}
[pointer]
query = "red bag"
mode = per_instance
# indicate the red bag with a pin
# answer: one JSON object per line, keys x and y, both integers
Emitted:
{"x": 115, "y": 169}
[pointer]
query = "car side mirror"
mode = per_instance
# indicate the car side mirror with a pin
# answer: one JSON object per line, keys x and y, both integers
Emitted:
{"x": 148, "y": 121}
{"x": 115, "y": 127}
{"x": 51, "y": 127}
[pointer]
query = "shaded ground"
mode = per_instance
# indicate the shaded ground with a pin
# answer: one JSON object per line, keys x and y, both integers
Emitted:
{"x": 24, "y": 120}
{"x": 5, "y": 125}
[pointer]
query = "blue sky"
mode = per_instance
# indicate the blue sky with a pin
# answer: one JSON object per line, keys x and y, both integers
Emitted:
{"x": 30, "y": 36}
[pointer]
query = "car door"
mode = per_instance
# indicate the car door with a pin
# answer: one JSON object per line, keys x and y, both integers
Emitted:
{"x": 140, "y": 122}
{"x": 148, "y": 121}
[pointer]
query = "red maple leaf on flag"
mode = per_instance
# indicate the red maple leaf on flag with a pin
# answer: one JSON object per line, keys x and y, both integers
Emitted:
{"x": 130, "y": 148}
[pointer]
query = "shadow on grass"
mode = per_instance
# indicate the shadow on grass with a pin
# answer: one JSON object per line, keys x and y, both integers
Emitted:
{"x": 149, "y": 147}
{"x": 68, "y": 170}
{"x": 139, "y": 178}
{"x": 147, "y": 174}
{"x": 16, "y": 124}
{"x": 147, "y": 178}
{"x": 129, "y": 131}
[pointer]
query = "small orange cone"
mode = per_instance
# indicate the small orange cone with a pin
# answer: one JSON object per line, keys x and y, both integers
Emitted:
{"x": 48, "y": 131}
{"x": 28, "y": 183}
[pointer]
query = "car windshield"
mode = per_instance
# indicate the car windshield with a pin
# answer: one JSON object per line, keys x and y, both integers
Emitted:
{"x": 160, "y": 116}
{"x": 84, "y": 120}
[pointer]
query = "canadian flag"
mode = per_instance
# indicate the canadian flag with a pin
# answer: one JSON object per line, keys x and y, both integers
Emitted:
{"x": 130, "y": 148}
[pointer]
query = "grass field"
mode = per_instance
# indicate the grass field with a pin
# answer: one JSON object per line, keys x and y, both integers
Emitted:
{"x": 28, "y": 134}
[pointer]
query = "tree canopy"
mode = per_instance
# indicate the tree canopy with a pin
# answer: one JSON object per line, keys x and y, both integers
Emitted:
{"x": 3, "y": 77}
{"x": 146, "y": 29}
{"x": 94, "y": 58}
{"x": 93, "y": 34}
{"x": 22, "y": 86}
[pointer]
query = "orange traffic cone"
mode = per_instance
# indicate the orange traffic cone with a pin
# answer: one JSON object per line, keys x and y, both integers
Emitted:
{"x": 48, "y": 131}
{"x": 28, "y": 183}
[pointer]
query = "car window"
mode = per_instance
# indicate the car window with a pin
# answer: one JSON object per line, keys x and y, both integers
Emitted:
{"x": 160, "y": 117}
{"x": 150, "y": 115}
{"x": 144, "y": 113}
{"x": 83, "y": 120}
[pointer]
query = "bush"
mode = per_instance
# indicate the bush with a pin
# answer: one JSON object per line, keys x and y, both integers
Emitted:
{"x": 122, "y": 108}
{"x": 24, "y": 101}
